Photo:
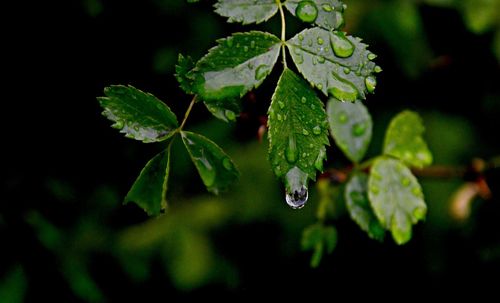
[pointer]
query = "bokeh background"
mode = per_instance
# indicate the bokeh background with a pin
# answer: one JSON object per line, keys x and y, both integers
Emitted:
{"x": 66, "y": 237}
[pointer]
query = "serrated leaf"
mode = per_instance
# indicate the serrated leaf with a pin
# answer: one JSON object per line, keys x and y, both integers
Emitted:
{"x": 225, "y": 110}
{"x": 356, "y": 197}
{"x": 297, "y": 127}
{"x": 396, "y": 197}
{"x": 150, "y": 189}
{"x": 235, "y": 66}
{"x": 336, "y": 64}
{"x": 351, "y": 127}
{"x": 246, "y": 11}
{"x": 182, "y": 68}
{"x": 216, "y": 169}
{"x": 404, "y": 140}
{"x": 139, "y": 115}
{"x": 328, "y": 14}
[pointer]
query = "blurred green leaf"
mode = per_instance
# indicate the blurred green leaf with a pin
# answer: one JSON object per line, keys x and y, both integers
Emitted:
{"x": 13, "y": 286}
{"x": 246, "y": 11}
{"x": 317, "y": 238}
{"x": 137, "y": 114}
{"x": 351, "y": 127}
{"x": 336, "y": 64}
{"x": 328, "y": 14}
{"x": 481, "y": 15}
{"x": 150, "y": 189}
{"x": 356, "y": 196}
{"x": 235, "y": 66}
{"x": 216, "y": 169}
{"x": 404, "y": 140}
{"x": 182, "y": 68}
{"x": 396, "y": 197}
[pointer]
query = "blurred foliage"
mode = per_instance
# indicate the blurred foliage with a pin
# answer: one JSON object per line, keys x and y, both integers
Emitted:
{"x": 68, "y": 238}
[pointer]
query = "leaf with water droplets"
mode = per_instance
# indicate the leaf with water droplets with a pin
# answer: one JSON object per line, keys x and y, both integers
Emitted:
{"x": 319, "y": 238}
{"x": 235, "y": 66}
{"x": 351, "y": 127}
{"x": 404, "y": 140}
{"x": 246, "y": 11}
{"x": 225, "y": 110}
{"x": 328, "y": 14}
{"x": 295, "y": 154}
{"x": 150, "y": 189}
{"x": 336, "y": 64}
{"x": 396, "y": 197}
{"x": 356, "y": 197}
{"x": 139, "y": 115}
{"x": 216, "y": 169}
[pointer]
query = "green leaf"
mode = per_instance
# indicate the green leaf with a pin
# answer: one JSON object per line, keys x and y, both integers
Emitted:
{"x": 328, "y": 14}
{"x": 246, "y": 11}
{"x": 297, "y": 127}
{"x": 182, "y": 68}
{"x": 150, "y": 189}
{"x": 311, "y": 236}
{"x": 330, "y": 238}
{"x": 403, "y": 140}
{"x": 216, "y": 169}
{"x": 318, "y": 238}
{"x": 396, "y": 197}
{"x": 225, "y": 110}
{"x": 235, "y": 66}
{"x": 137, "y": 114}
{"x": 338, "y": 65}
{"x": 351, "y": 127}
{"x": 356, "y": 196}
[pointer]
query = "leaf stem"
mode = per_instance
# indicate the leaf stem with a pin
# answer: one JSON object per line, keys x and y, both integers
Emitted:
{"x": 283, "y": 32}
{"x": 188, "y": 111}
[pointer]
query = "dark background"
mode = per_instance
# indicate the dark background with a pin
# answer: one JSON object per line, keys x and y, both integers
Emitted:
{"x": 66, "y": 237}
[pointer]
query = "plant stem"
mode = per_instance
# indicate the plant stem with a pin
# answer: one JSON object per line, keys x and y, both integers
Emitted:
{"x": 188, "y": 111}
{"x": 283, "y": 32}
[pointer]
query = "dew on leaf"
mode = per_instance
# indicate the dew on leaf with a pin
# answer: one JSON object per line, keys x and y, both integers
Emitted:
{"x": 296, "y": 188}
{"x": 341, "y": 46}
{"x": 372, "y": 56}
{"x": 377, "y": 69}
{"x": 370, "y": 83}
{"x": 317, "y": 130}
{"x": 339, "y": 20}
{"x": 358, "y": 129}
{"x": 227, "y": 164}
{"x": 343, "y": 90}
{"x": 261, "y": 72}
{"x": 230, "y": 115}
{"x": 318, "y": 163}
{"x": 320, "y": 41}
{"x": 281, "y": 104}
{"x": 405, "y": 182}
{"x": 327, "y": 7}
{"x": 419, "y": 213}
{"x": 306, "y": 11}
{"x": 291, "y": 151}
{"x": 347, "y": 70}
{"x": 305, "y": 132}
{"x": 303, "y": 100}
{"x": 280, "y": 118}
{"x": 343, "y": 117}
{"x": 321, "y": 59}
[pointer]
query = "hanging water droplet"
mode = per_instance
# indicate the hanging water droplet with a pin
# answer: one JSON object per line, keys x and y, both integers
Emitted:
{"x": 296, "y": 188}
{"x": 342, "y": 47}
{"x": 291, "y": 151}
{"x": 370, "y": 83}
{"x": 230, "y": 115}
{"x": 339, "y": 20}
{"x": 372, "y": 56}
{"x": 377, "y": 69}
{"x": 307, "y": 11}
{"x": 320, "y": 159}
{"x": 281, "y": 104}
{"x": 227, "y": 164}
{"x": 320, "y": 41}
{"x": 261, "y": 72}
{"x": 358, "y": 129}
{"x": 303, "y": 100}
{"x": 317, "y": 130}
{"x": 405, "y": 182}
{"x": 305, "y": 132}
{"x": 343, "y": 117}
{"x": 327, "y": 7}
{"x": 343, "y": 90}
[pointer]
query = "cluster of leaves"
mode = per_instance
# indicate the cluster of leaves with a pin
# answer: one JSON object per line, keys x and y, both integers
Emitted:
{"x": 333, "y": 65}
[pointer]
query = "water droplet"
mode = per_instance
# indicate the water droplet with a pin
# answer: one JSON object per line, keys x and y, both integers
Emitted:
{"x": 327, "y": 7}
{"x": 314, "y": 61}
{"x": 347, "y": 70}
{"x": 301, "y": 37}
{"x": 206, "y": 170}
{"x": 280, "y": 118}
{"x": 307, "y": 11}
{"x": 313, "y": 107}
{"x": 417, "y": 192}
{"x": 319, "y": 86}
{"x": 261, "y": 72}
{"x": 252, "y": 44}
{"x": 342, "y": 47}
{"x": 320, "y": 41}
{"x": 238, "y": 45}
{"x": 343, "y": 90}
{"x": 359, "y": 129}
{"x": 339, "y": 20}
{"x": 305, "y": 132}
{"x": 343, "y": 117}
{"x": 281, "y": 104}
{"x": 303, "y": 100}
{"x": 344, "y": 6}
{"x": 317, "y": 130}
{"x": 321, "y": 59}
{"x": 299, "y": 59}
{"x": 291, "y": 151}
{"x": 245, "y": 48}
{"x": 405, "y": 182}
{"x": 296, "y": 188}
{"x": 320, "y": 159}
{"x": 370, "y": 83}
{"x": 374, "y": 189}
{"x": 377, "y": 69}
{"x": 311, "y": 145}
{"x": 227, "y": 164}
{"x": 229, "y": 42}
{"x": 272, "y": 115}
{"x": 419, "y": 213}
{"x": 372, "y": 56}
{"x": 230, "y": 115}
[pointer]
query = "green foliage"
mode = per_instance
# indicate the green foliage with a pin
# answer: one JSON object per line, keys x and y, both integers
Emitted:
{"x": 150, "y": 189}
{"x": 328, "y": 14}
{"x": 246, "y": 11}
{"x": 13, "y": 286}
{"x": 216, "y": 169}
{"x": 396, "y": 198}
{"x": 319, "y": 238}
{"x": 404, "y": 140}
{"x": 182, "y": 68}
{"x": 138, "y": 115}
{"x": 351, "y": 127}
{"x": 338, "y": 65}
